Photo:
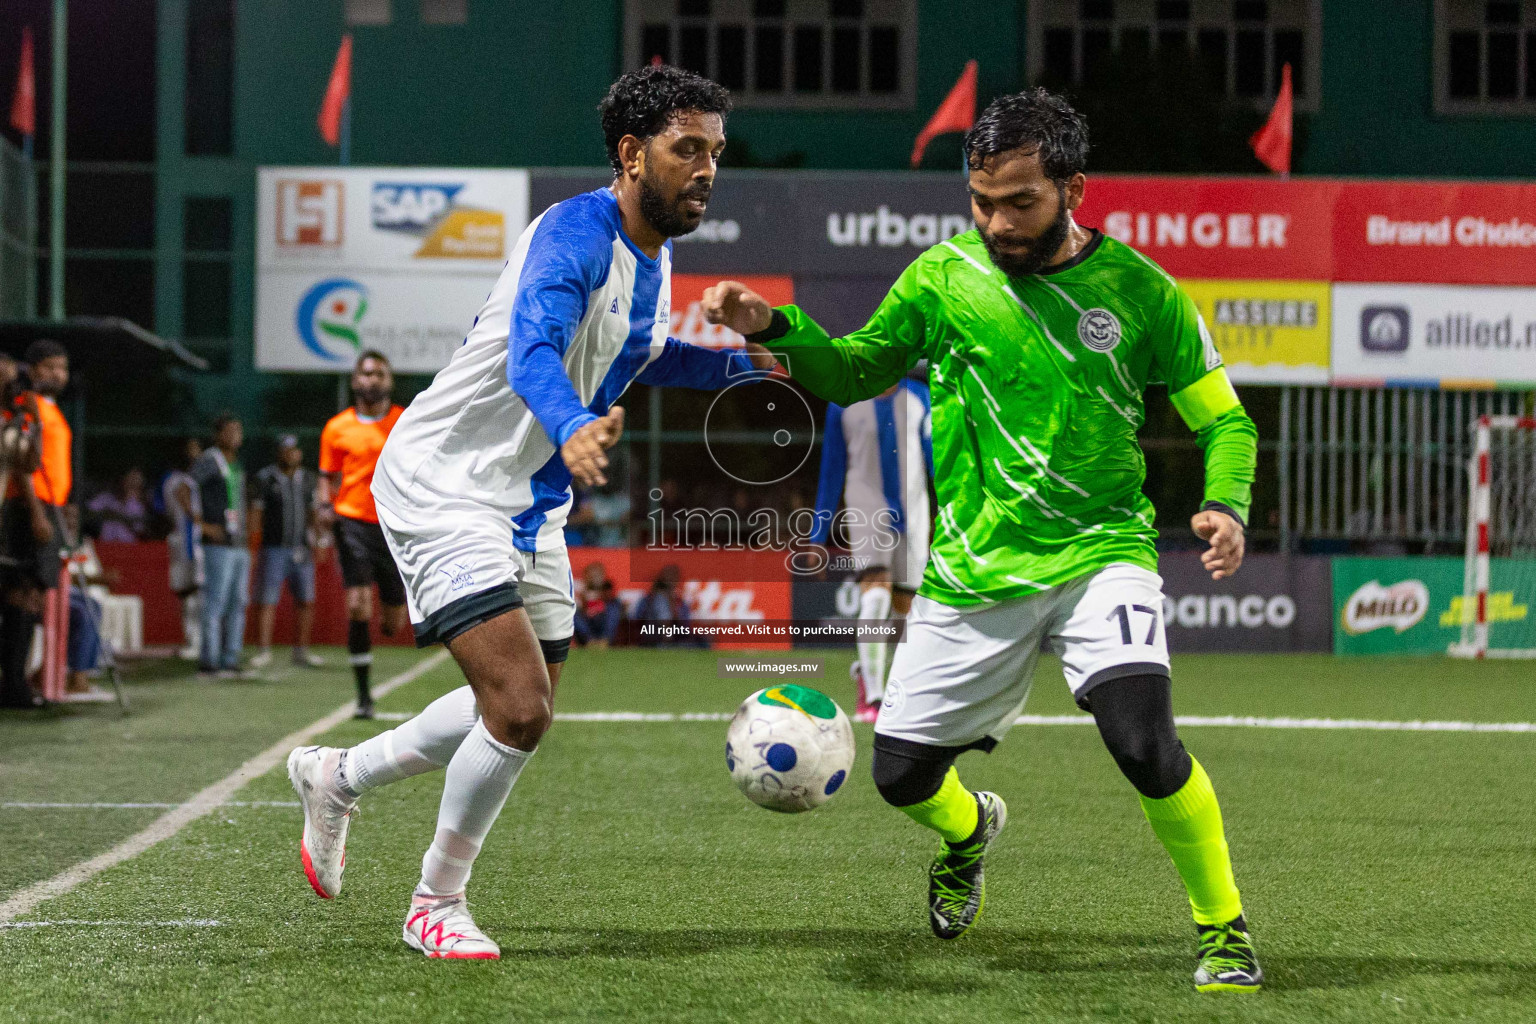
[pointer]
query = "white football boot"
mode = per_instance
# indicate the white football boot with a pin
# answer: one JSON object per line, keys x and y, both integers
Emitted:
{"x": 327, "y": 814}
{"x": 440, "y": 926}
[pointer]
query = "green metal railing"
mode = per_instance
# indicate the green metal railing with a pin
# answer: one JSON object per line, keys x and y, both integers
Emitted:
{"x": 18, "y": 235}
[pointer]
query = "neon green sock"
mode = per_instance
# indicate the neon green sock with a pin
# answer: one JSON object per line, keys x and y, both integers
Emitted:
{"x": 1189, "y": 825}
{"x": 951, "y": 812}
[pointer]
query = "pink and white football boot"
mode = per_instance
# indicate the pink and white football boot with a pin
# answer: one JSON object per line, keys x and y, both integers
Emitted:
{"x": 440, "y": 926}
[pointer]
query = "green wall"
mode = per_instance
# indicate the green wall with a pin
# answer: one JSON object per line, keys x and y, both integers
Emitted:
{"x": 1377, "y": 112}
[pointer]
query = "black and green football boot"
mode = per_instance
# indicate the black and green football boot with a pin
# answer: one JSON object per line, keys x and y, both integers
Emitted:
{"x": 956, "y": 883}
{"x": 1227, "y": 961}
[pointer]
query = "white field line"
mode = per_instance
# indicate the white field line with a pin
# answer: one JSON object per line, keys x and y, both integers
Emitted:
{"x": 39, "y": 805}
{"x": 1226, "y": 721}
{"x": 190, "y": 922}
{"x": 203, "y": 802}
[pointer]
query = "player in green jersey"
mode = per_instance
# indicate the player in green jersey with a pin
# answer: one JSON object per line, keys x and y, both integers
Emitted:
{"x": 1041, "y": 337}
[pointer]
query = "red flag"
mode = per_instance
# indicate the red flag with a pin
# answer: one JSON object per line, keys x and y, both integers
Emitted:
{"x": 956, "y": 114}
{"x": 1272, "y": 143}
{"x": 24, "y": 101}
{"x": 337, "y": 92}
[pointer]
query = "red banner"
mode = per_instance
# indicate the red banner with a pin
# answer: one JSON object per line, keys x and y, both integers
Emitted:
{"x": 1421, "y": 232}
{"x": 688, "y": 323}
{"x": 1223, "y": 228}
{"x": 1322, "y": 229}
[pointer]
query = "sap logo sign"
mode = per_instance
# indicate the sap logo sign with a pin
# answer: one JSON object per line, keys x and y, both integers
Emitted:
{"x": 1203, "y": 611}
{"x": 309, "y": 212}
{"x": 411, "y": 207}
{"x": 1384, "y": 328}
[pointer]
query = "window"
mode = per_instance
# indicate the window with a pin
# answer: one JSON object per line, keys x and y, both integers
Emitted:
{"x": 1240, "y": 44}
{"x": 784, "y": 53}
{"x": 209, "y": 98}
{"x": 206, "y": 270}
{"x": 369, "y": 12}
{"x": 444, "y": 12}
{"x": 1485, "y": 57}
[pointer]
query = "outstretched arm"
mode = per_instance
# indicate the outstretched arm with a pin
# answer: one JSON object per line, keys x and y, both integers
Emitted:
{"x": 842, "y": 370}
{"x": 681, "y": 365}
{"x": 1198, "y": 386}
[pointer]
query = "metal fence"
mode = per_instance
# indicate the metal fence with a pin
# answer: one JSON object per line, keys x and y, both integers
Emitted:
{"x": 1380, "y": 465}
{"x": 18, "y": 234}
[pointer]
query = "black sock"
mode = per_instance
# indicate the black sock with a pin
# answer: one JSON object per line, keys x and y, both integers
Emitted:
{"x": 16, "y": 628}
{"x": 360, "y": 647}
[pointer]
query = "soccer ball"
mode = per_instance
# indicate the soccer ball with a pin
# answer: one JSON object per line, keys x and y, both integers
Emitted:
{"x": 789, "y": 748}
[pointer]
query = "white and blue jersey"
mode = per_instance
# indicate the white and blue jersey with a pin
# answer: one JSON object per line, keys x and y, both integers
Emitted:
{"x": 578, "y": 314}
{"x": 877, "y": 457}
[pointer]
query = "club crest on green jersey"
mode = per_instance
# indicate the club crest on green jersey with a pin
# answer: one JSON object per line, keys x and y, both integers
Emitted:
{"x": 1098, "y": 329}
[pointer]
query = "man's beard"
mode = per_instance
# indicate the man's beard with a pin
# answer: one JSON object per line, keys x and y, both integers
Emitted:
{"x": 370, "y": 396}
{"x": 670, "y": 219}
{"x": 1041, "y": 248}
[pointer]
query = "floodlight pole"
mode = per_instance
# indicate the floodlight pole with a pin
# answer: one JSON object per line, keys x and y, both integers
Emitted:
{"x": 56, "y": 162}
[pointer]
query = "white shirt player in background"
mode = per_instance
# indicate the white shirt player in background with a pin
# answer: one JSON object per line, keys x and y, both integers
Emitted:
{"x": 473, "y": 485}
{"x": 184, "y": 505}
{"x": 877, "y": 456}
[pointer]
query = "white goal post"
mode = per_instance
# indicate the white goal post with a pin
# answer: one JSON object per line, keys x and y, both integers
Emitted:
{"x": 1501, "y": 524}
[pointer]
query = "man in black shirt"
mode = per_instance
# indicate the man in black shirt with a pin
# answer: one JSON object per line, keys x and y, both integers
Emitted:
{"x": 283, "y": 506}
{"x": 220, "y": 483}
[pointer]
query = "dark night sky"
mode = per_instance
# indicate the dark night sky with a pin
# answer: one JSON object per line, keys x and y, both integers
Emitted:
{"x": 111, "y": 74}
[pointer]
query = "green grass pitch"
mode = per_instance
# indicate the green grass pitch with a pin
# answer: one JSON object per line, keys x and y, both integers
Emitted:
{"x": 1387, "y": 875}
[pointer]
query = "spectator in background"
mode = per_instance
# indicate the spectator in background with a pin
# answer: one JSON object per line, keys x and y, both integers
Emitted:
{"x": 664, "y": 604}
{"x": 284, "y": 503}
{"x": 598, "y": 609}
{"x": 122, "y": 512}
{"x": 25, "y": 533}
{"x": 180, "y": 497}
{"x": 84, "y": 645}
{"x": 226, "y": 560}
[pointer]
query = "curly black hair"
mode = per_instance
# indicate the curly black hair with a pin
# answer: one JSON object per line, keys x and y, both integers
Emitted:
{"x": 643, "y": 102}
{"x": 1033, "y": 119}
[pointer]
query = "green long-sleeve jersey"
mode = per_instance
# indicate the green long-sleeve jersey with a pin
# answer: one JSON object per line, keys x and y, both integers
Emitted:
{"x": 1037, "y": 387}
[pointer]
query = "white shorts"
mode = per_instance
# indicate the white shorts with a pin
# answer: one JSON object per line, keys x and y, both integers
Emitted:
{"x": 186, "y": 574}
{"x": 460, "y": 568}
{"x": 904, "y": 553}
{"x": 962, "y": 674}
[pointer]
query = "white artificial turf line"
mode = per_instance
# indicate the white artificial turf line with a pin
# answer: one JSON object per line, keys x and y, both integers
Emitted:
{"x": 1229, "y": 721}
{"x": 38, "y": 805}
{"x": 205, "y": 801}
{"x": 190, "y": 922}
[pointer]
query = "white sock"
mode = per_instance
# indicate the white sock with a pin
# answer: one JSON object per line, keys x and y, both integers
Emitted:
{"x": 874, "y": 606}
{"x": 192, "y": 619}
{"x": 425, "y": 743}
{"x": 480, "y": 777}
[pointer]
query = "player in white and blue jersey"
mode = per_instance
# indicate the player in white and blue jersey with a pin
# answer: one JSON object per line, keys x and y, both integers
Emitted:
{"x": 877, "y": 458}
{"x": 473, "y": 485}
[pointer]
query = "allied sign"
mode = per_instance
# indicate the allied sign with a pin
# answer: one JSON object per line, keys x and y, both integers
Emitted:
{"x": 1268, "y": 332}
{"x": 397, "y": 259}
{"x": 1434, "y": 335}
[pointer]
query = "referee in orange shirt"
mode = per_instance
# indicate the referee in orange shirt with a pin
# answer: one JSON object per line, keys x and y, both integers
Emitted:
{"x": 349, "y": 450}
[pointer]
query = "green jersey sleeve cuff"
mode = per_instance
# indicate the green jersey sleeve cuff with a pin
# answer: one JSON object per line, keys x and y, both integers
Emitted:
{"x": 1206, "y": 399}
{"x": 777, "y": 327}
